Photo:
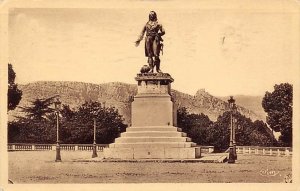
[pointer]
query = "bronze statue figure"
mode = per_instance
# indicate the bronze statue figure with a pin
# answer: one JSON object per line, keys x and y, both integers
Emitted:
{"x": 153, "y": 41}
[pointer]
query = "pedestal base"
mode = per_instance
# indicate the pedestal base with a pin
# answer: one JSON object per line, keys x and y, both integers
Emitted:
{"x": 152, "y": 134}
{"x": 152, "y": 153}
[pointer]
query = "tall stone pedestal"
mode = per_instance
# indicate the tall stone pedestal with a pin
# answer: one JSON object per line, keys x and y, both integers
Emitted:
{"x": 153, "y": 134}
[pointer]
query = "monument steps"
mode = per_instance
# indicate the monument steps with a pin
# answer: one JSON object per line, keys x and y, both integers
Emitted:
{"x": 154, "y": 134}
{"x": 151, "y": 139}
{"x": 153, "y": 145}
{"x": 153, "y": 128}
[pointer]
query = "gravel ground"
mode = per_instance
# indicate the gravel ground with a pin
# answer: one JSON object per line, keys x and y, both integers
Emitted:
{"x": 39, "y": 167}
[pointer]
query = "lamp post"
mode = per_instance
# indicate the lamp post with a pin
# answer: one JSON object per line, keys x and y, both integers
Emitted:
{"x": 94, "y": 142}
{"x": 57, "y": 104}
{"x": 234, "y": 125}
{"x": 231, "y": 158}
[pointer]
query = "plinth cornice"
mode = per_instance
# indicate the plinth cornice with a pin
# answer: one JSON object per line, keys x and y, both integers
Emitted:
{"x": 153, "y": 77}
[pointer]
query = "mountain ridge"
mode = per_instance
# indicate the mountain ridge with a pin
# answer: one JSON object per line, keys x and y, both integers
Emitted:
{"x": 119, "y": 95}
{"x": 254, "y": 103}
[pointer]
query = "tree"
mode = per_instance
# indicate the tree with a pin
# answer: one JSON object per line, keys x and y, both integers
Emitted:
{"x": 14, "y": 95}
{"x": 38, "y": 125}
{"x": 247, "y": 132}
{"x": 40, "y": 108}
{"x": 77, "y": 126}
{"x": 32, "y": 131}
{"x": 67, "y": 113}
{"x": 218, "y": 133}
{"x": 195, "y": 125}
{"x": 205, "y": 132}
{"x": 279, "y": 107}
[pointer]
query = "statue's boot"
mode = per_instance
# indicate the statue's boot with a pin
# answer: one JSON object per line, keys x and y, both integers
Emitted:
{"x": 151, "y": 68}
{"x": 157, "y": 64}
{"x": 150, "y": 62}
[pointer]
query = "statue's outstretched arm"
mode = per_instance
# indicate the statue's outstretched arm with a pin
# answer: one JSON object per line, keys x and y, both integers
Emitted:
{"x": 137, "y": 42}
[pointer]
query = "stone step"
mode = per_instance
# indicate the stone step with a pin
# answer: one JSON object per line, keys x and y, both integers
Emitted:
{"x": 153, "y": 145}
{"x": 152, "y": 153}
{"x": 151, "y": 139}
{"x": 153, "y": 128}
{"x": 153, "y": 134}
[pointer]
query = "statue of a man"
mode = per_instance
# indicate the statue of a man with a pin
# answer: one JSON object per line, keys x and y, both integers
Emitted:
{"x": 154, "y": 30}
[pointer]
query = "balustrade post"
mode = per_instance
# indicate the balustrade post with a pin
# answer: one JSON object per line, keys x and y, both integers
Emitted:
{"x": 287, "y": 152}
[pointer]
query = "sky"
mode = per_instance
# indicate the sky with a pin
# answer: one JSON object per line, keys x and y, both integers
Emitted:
{"x": 226, "y": 52}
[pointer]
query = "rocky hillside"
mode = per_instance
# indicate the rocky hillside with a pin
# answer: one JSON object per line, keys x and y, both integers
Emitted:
{"x": 118, "y": 95}
{"x": 203, "y": 102}
{"x": 250, "y": 102}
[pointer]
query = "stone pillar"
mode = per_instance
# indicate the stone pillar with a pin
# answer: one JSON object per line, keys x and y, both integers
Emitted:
{"x": 153, "y": 106}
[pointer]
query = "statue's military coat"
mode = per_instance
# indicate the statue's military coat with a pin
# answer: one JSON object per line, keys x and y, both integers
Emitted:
{"x": 154, "y": 31}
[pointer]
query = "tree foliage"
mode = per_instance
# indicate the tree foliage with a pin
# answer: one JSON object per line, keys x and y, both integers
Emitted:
{"x": 279, "y": 107}
{"x": 40, "y": 108}
{"x": 76, "y": 126}
{"x": 205, "y": 132}
{"x": 195, "y": 125}
{"x": 14, "y": 95}
{"x": 32, "y": 131}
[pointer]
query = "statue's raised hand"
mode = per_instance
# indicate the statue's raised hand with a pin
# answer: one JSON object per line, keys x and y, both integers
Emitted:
{"x": 137, "y": 43}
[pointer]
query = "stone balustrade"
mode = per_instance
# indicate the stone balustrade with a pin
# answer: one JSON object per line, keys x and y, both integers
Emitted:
{"x": 49, "y": 147}
{"x": 73, "y": 147}
{"x": 253, "y": 150}
{"x": 206, "y": 149}
{"x": 271, "y": 151}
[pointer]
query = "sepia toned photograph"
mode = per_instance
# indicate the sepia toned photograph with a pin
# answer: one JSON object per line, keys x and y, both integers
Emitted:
{"x": 106, "y": 95}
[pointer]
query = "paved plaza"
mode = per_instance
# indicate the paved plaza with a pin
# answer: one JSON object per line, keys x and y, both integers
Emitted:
{"x": 77, "y": 167}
